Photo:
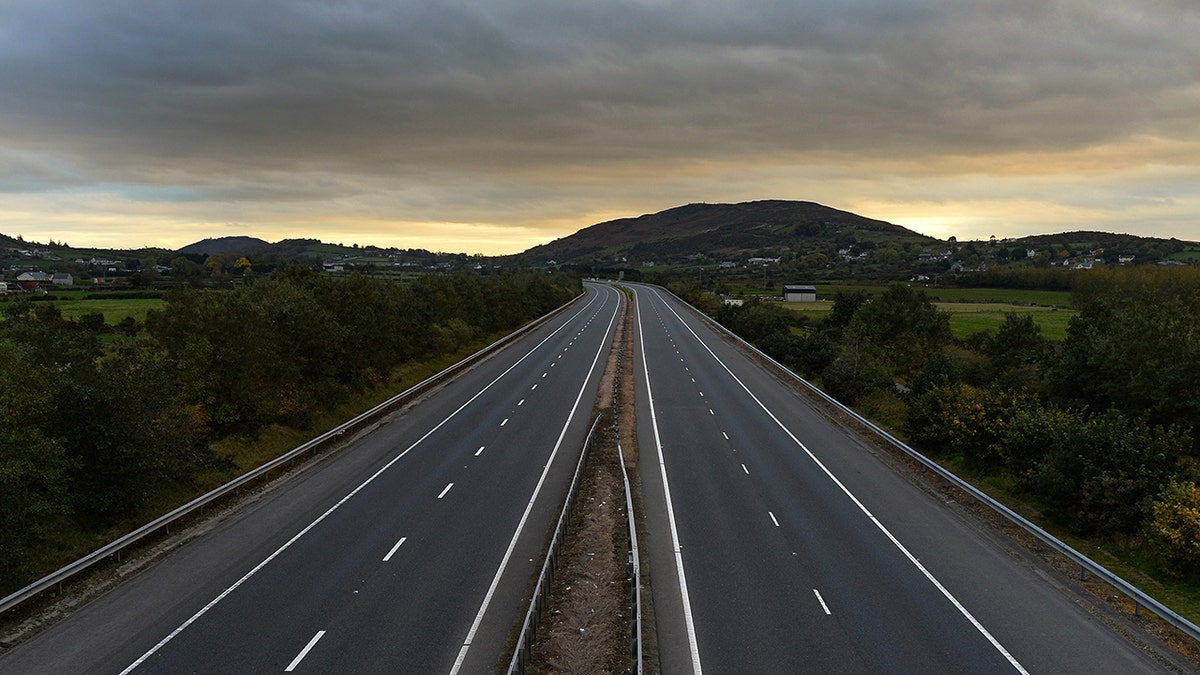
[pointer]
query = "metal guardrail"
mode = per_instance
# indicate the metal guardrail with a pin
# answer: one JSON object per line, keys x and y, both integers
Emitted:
{"x": 57, "y": 578}
{"x": 1140, "y": 598}
{"x": 521, "y": 654}
{"x": 635, "y": 571}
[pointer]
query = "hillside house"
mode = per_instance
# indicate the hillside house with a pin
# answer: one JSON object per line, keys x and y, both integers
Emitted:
{"x": 797, "y": 293}
{"x": 62, "y": 279}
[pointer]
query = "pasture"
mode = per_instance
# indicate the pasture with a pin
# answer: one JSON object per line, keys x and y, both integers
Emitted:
{"x": 968, "y": 317}
{"x": 114, "y": 310}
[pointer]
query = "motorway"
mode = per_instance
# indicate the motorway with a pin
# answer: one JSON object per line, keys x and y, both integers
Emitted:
{"x": 779, "y": 542}
{"x": 409, "y": 551}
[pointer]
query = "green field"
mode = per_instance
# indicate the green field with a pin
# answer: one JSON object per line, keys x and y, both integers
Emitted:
{"x": 1012, "y": 296}
{"x": 113, "y": 310}
{"x": 969, "y": 317}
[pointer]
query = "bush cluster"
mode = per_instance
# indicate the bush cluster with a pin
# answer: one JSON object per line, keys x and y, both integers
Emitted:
{"x": 96, "y": 422}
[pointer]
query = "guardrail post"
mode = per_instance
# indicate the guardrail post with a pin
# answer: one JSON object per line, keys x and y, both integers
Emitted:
{"x": 1082, "y": 573}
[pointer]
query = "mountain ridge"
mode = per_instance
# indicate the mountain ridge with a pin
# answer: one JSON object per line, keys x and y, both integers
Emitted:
{"x": 708, "y": 231}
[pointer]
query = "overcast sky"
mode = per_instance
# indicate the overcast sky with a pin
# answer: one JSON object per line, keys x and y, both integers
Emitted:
{"x": 491, "y": 126}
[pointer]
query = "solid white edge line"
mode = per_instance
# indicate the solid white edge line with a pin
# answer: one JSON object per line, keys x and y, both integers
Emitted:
{"x": 683, "y": 589}
{"x": 896, "y": 542}
{"x": 203, "y": 610}
{"x": 822, "y": 601}
{"x": 394, "y": 549}
{"x": 487, "y": 598}
{"x": 445, "y": 490}
{"x": 304, "y": 652}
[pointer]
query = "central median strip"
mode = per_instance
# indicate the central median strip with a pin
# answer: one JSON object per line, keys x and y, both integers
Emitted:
{"x": 585, "y": 614}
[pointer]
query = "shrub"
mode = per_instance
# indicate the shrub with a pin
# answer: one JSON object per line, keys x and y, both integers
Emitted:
{"x": 1103, "y": 476}
{"x": 1175, "y": 530}
{"x": 962, "y": 420}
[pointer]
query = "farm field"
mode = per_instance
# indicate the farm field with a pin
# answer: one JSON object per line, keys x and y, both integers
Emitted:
{"x": 969, "y": 317}
{"x": 114, "y": 310}
{"x": 1014, "y": 296}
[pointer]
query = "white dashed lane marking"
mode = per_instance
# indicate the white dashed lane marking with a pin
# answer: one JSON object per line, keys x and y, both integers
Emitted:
{"x": 304, "y": 652}
{"x": 394, "y": 549}
{"x": 822, "y": 601}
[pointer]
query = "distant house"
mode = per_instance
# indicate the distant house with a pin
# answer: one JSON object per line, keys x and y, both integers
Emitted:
{"x": 30, "y": 281}
{"x": 62, "y": 279}
{"x": 795, "y": 293}
{"x": 7, "y": 287}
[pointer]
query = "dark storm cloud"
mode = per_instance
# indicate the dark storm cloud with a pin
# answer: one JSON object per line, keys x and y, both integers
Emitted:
{"x": 372, "y": 86}
{"x": 526, "y": 106}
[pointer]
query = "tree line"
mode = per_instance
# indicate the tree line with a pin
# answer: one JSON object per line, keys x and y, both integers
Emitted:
{"x": 98, "y": 421}
{"x": 1098, "y": 431}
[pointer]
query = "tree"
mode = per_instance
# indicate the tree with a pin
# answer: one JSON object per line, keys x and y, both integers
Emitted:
{"x": 905, "y": 324}
{"x": 1135, "y": 344}
{"x": 33, "y": 465}
{"x": 1103, "y": 475}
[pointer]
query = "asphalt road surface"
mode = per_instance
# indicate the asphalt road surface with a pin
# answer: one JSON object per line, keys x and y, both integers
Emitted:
{"x": 408, "y": 552}
{"x": 780, "y": 543}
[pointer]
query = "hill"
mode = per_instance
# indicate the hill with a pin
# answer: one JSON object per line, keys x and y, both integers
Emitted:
{"x": 720, "y": 230}
{"x": 235, "y": 245}
{"x": 1109, "y": 245}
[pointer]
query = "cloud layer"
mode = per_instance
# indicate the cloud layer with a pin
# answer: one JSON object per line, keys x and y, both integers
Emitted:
{"x": 521, "y": 121}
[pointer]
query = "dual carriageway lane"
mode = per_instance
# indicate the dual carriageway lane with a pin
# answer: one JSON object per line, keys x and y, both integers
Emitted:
{"x": 778, "y": 541}
{"x": 409, "y": 551}
{"x": 782, "y": 543}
